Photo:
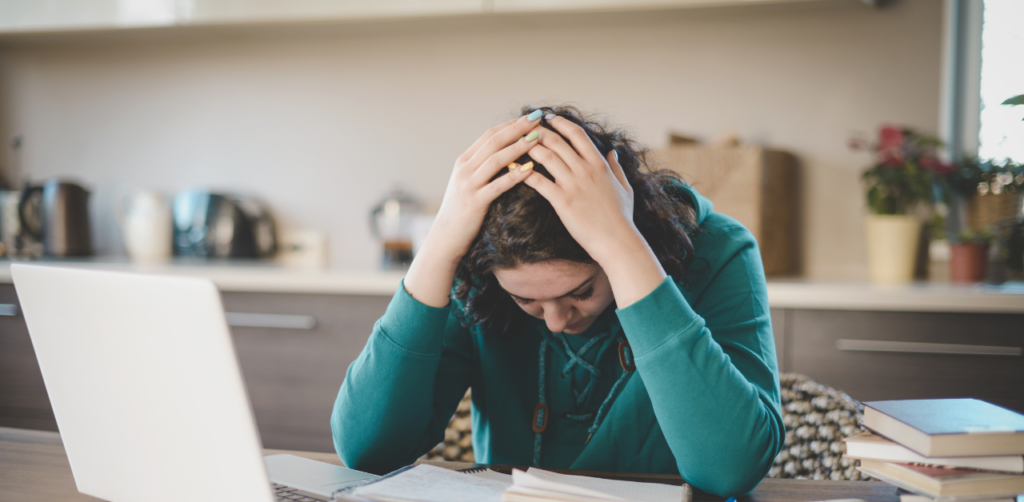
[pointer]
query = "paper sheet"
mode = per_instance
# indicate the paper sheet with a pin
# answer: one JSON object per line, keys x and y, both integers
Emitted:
{"x": 495, "y": 475}
{"x": 595, "y": 488}
{"x": 427, "y": 483}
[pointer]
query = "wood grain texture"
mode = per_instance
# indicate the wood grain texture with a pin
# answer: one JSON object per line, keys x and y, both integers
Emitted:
{"x": 33, "y": 467}
{"x": 810, "y": 344}
{"x": 293, "y": 376}
{"x": 23, "y": 399}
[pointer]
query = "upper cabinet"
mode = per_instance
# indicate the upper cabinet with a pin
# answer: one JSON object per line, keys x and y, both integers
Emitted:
{"x": 500, "y": 6}
{"x": 41, "y": 16}
{"x": 72, "y": 15}
{"x": 270, "y": 11}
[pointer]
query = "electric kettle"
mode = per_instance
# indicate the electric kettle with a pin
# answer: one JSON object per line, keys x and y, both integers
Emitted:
{"x": 55, "y": 214}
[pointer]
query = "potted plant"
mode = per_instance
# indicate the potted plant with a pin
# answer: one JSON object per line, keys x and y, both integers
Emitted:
{"x": 968, "y": 255}
{"x": 899, "y": 187}
{"x": 989, "y": 191}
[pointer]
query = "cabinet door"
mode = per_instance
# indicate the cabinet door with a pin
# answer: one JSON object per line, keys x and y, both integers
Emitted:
{"x": 67, "y": 15}
{"x": 293, "y": 375}
{"x": 245, "y": 11}
{"x": 896, "y": 355}
{"x": 585, "y": 5}
{"x": 23, "y": 399}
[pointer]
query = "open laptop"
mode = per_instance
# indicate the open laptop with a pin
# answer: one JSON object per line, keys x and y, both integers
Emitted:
{"x": 149, "y": 400}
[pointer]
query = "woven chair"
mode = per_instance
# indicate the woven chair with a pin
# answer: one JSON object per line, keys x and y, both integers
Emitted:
{"x": 816, "y": 416}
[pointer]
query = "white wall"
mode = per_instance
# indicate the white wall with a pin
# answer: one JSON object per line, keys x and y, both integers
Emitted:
{"x": 323, "y": 120}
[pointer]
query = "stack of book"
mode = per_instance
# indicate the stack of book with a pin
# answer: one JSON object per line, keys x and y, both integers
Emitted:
{"x": 946, "y": 450}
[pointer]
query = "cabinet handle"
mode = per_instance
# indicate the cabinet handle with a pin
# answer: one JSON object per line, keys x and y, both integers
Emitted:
{"x": 926, "y": 348}
{"x": 8, "y": 309}
{"x": 281, "y": 321}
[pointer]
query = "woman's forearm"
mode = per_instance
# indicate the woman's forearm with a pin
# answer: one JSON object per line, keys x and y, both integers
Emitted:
{"x": 715, "y": 395}
{"x": 431, "y": 274}
{"x": 632, "y": 268}
{"x": 398, "y": 395}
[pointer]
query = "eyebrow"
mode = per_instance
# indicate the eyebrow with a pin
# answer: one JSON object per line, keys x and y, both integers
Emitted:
{"x": 571, "y": 291}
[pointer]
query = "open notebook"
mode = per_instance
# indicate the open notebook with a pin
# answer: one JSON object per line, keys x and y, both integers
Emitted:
{"x": 427, "y": 483}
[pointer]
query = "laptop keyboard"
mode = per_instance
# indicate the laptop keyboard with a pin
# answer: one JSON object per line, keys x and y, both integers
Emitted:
{"x": 287, "y": 493}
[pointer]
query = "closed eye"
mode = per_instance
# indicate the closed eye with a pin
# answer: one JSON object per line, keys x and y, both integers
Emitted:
{"x": 583, "y": 296}
{"x": 521, "y": 301}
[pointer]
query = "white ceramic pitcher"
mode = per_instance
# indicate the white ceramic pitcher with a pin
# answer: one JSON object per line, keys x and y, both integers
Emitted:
{"x": 145, "y": 219}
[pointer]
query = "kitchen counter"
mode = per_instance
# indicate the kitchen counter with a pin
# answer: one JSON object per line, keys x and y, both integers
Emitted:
{"x": 260, "y": 277}
{"x": 247, "y": 276}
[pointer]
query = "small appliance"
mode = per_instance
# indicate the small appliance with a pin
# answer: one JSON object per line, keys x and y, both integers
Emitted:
{"x": 215, "y": 225}
{"x": 51, "y": 219}
{"x": 391, "y": 222}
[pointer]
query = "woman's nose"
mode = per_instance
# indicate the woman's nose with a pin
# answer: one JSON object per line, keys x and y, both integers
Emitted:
{"x": 557, "y": 317}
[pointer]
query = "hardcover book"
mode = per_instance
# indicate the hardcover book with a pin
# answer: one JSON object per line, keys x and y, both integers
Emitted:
{"x": 944, "y": 481}
{"x": 948, "y": 427}
{"x": 872, "y": 447}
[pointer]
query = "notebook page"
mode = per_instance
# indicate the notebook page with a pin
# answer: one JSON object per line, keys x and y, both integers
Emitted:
{"x": 494, "y": 475}
{"x": 427, "y": 483}
{"x": 597, "y": 488}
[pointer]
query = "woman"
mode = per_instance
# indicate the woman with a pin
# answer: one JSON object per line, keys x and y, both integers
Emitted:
{"x": 604, "y": 317}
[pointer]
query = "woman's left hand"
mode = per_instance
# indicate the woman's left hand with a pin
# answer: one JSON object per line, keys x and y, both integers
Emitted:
{"x": 590, "y": 192}
{"x": 595, "y": 203}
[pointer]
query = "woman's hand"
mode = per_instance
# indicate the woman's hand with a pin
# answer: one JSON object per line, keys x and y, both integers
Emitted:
{"x": 595, "y": 203}
{"x": 466, "y": 200}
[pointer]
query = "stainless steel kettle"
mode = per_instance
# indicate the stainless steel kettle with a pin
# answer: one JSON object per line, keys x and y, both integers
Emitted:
{"x": 55, "y": 214}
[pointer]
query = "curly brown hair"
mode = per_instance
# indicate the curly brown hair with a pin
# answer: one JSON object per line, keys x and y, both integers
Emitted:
{"x": 521, "y": 227}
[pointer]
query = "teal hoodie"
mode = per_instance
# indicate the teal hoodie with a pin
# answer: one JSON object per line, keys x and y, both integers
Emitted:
{"x": 703, "y": 401}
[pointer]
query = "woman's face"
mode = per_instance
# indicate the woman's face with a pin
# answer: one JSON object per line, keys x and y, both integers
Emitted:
{"x": 568, "y": 296}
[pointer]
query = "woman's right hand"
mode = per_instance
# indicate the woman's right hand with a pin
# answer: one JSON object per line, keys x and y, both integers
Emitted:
{"x": 466, "y": 200}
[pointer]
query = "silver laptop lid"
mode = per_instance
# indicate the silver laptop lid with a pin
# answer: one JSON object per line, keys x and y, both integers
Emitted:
{"x": 144, "y": 384}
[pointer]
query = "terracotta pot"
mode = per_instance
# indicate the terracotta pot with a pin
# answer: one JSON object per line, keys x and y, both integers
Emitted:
{"x": 892, "y": 242}
{"x": 967, "y": 262}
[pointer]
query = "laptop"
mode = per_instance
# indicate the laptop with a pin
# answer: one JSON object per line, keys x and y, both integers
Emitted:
{"x": 147, "y": 393}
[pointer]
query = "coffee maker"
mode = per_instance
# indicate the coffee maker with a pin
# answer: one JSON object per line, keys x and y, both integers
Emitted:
{"x": 391, "y": 222}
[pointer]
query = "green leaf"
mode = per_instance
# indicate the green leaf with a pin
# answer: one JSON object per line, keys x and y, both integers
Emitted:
{"x": 1016, "y": 100}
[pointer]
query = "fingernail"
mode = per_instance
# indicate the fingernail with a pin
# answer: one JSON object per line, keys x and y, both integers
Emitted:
{"x": 527, "y": 166}
{"x": 534, "y": 115}
{"x": 532, "y": 136}
{"x": 549, "y": 116}
{"x": 616, "y": 152}
{"x": 512, "y": 166}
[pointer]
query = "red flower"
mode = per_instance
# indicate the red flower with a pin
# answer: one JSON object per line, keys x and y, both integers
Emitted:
{"x": 890, "y": 146}
{"x": 933, "y": 164}
{"x": 890, "y": 138}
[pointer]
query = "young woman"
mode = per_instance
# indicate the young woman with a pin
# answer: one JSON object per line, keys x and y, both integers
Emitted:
{"x": 605, "y": 318}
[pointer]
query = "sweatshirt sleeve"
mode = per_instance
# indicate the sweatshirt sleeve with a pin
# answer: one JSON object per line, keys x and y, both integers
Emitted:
{"x": 713, "y": 377}
{"x": 399, "y": 395}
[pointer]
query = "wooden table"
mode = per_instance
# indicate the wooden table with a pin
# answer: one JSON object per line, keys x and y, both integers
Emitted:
{"x": 34, "y": 467}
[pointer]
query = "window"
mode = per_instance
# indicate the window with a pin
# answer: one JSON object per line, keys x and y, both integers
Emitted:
{"x": 1001, "y": 132}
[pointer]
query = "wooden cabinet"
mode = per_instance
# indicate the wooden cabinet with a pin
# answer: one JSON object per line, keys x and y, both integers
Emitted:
{"x": 23, "y": 399}
{"x": 906, "y": 355}
{"x": 24, "y": 16}
{"x": 292, "y": 375}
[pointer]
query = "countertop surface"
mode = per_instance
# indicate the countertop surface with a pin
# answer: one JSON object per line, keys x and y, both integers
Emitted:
{"x": 267, "y": 277}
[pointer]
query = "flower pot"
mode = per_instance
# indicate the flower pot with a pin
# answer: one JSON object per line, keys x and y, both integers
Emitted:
{"x": 892, "y": 242}
{"x": 967, "y": 262}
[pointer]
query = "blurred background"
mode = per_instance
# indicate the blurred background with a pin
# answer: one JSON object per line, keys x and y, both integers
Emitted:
{"x": 294, "y": 152}
{"x": 322, "y": 112}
